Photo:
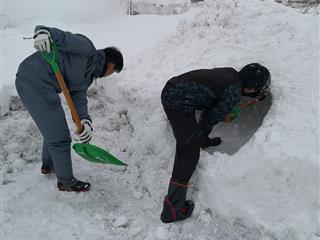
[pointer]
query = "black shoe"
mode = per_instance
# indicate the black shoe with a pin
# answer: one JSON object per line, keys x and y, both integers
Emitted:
{"x": 170, "y": 214}
{"x": 46, "y": 169}
{"x": 73, "y": 185}
{"x": 210, "y": 142}
{"x": 175, "y": 205}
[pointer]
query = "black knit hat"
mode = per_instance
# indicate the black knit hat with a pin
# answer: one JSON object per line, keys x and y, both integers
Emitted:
{"x": 113, "y": 55}
{"x": 255, "y": 76}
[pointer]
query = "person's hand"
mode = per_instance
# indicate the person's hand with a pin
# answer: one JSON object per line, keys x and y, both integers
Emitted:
{"x": 263, "y": 95}
{"x": 86, "y": 135}
{"x": 42, "y": 40}
{"x": 210, "y": 142}
{"x": 228, "y": 119}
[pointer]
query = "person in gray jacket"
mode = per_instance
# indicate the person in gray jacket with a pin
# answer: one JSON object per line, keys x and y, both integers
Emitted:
{"x": 80, "y": 63}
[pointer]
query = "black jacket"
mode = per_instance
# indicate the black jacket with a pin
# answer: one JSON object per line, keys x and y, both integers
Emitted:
{"x": 213, "y": 91}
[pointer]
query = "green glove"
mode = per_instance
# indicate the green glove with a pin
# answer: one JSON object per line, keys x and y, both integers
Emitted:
{"x": 234, "y": 112}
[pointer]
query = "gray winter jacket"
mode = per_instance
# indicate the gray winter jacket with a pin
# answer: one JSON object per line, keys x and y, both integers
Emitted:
{"x": 79, "y": 63}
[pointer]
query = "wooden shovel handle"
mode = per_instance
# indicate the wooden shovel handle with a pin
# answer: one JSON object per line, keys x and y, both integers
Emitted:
{"x": 72, "y": 108}
{"x": 249, "y": 103}
{"x": 51, "y": 58}
{"x": 242, "y": 106}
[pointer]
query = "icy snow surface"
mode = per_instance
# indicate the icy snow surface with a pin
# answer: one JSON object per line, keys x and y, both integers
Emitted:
{"x": 261, "y": 183}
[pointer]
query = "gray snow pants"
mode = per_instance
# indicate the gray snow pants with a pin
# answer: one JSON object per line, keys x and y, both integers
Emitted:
{"x": 43, "y": 104}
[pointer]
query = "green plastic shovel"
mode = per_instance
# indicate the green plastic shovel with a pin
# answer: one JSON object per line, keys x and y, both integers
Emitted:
{"x": 95, "y": 154}
{"x": 87, "y": 151}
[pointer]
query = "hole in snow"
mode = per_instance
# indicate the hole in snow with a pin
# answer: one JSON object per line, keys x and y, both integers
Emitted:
{"x": 236, "y": 134}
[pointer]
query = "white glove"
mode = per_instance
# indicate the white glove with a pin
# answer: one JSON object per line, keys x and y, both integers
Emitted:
{"x": 86, "y": 134}
{"x": 42, "y": 40}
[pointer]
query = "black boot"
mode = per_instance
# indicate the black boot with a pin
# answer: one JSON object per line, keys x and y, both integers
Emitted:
{"x": 73, "y": 185}
{"x": 210, "y": 142}
{"x": 175, "y": 205}
{"x": 47, "y": 169}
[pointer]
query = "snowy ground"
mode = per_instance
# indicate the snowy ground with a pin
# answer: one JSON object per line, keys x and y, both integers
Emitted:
{"x": 261, "y": 183}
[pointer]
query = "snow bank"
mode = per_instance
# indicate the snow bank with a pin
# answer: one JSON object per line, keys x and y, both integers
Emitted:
{"x": 272, "y": 180}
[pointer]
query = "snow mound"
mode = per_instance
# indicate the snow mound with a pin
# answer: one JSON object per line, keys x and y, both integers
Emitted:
{"x": 262, "y": 182}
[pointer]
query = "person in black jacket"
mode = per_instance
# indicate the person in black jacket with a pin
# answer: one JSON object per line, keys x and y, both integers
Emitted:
{"x": 215, "y": 92}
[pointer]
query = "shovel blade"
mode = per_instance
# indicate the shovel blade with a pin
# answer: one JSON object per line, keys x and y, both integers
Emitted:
{"x": 96, "y": 154}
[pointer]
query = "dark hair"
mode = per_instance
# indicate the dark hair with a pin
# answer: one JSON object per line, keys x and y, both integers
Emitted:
{"x": 113, "y": 55}
{"x": 255, "y": 76}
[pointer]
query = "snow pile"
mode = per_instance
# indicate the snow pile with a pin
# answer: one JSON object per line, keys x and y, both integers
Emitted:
{"x": 273, "y": 180}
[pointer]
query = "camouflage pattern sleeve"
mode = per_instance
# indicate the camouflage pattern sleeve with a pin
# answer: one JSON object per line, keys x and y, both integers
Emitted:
{"x": 230, "y": 98}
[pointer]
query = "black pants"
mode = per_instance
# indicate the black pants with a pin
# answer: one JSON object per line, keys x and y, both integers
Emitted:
{"x": 186, "y": 130}
{"x": 188, "y": 142}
